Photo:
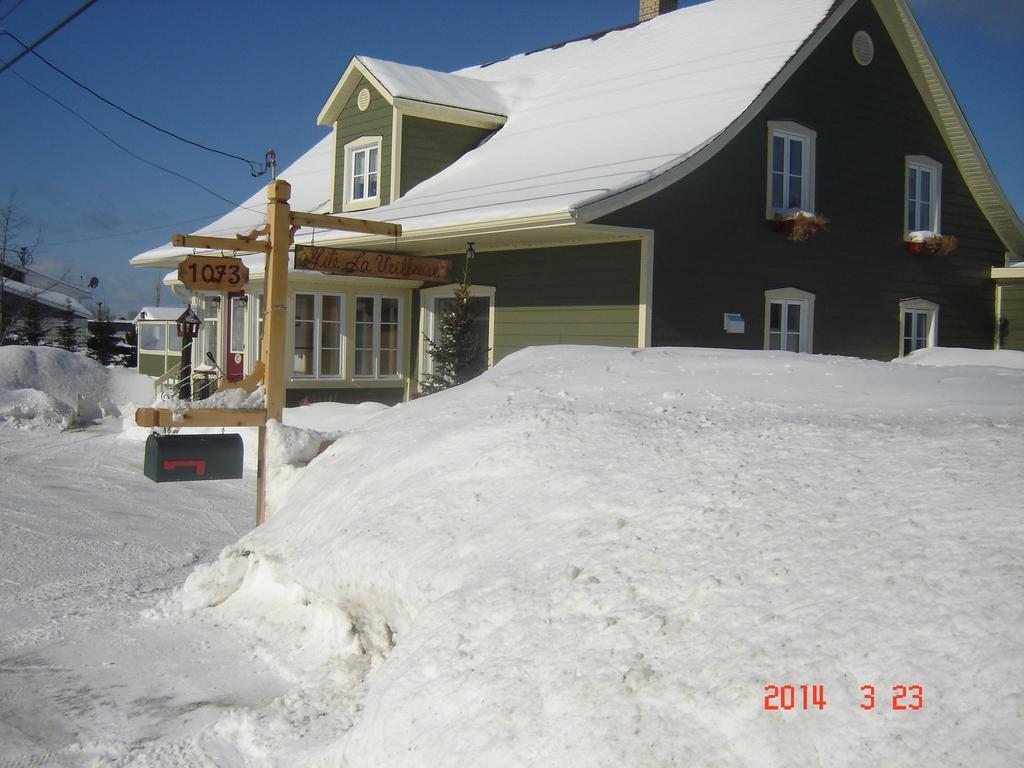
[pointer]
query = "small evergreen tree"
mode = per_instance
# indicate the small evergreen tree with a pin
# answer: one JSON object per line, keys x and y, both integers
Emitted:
{"x": 102, "y": 342}
{"x": 128, "y": 357}
{"x": 66, "y": 334}
{"x": 30, "y": 330}
{"x": 455, "y": 353}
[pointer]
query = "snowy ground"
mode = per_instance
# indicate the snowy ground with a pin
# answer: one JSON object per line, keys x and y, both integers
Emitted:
{"x": 586, "y": 557}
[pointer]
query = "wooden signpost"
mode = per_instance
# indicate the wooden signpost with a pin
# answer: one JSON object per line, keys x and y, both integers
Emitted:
{"x": 270, "y": 370}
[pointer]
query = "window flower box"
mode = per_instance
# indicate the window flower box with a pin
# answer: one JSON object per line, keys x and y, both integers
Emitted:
{"x": 800, "y": 225}
{"x": 925, "y": 241}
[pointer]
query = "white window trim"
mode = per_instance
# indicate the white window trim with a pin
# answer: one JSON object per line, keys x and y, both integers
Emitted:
{"x": 428, "y": 299}
{"x": 200, "y": 349}
{"x": 252, "y": 336}
{"x": 935, "y": 168}
{"x": 920, "y": 305}
{"x": 375, "y": 376}
{"x": 236, "y": 334}
{"x": 362, "y": 143}
{"x": 809, "y": 136}
{"x": 318, "y": 336}
{"x": 170, "y": 329}
{"x": 806, "y": 317}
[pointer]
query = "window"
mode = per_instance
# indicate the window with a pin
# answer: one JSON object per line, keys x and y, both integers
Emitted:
{"x": 256, "y": 326}
{"x": 317, "y": 348}
{"x": 919, "y": 321}
{"x": 788, "y": 320}
{"x": 209, "y": 309}
{"x": 236, "y": 343}
{"x": 436, "y": 301}
{"x": 377, "y": 336}
{"x": 362, "y": 173}
{"x": 923, "y": 195}
{"x": 153, "y": 337}
{"x": 791, "y": 150}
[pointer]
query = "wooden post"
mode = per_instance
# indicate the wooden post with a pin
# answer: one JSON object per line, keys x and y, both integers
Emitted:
{"x": 276, "y": 316}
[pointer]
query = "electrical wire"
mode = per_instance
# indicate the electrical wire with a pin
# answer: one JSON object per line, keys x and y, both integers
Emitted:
{"x": 11, "y": 9}
{"x": 7, "y": 65}
{"x": 256, "y": 168}
{"x": 130, "y": 232}
{"x": 123, "y": 148}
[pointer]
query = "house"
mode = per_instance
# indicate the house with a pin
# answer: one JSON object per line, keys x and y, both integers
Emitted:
{"x": 644, "y": 186}
{"x": 156, "y": 333}
{"x": 53, "y": 297}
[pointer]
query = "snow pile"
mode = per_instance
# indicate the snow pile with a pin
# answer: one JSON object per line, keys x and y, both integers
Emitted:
{"x": 49, "y": 388}
{"x": 234, "y": 398}
{"x": 597, "y": 557}
{"x": 947, "y": 357}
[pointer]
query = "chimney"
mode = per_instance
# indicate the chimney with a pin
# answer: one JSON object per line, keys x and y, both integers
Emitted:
{"x": 651, "y": 8}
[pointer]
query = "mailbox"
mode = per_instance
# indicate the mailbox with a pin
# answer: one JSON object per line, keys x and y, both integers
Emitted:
{"x": 173, "y": 458}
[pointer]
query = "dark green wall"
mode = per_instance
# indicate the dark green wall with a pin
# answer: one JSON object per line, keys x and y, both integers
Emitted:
{"x": 430, "y": 146}
{"x": 375, "y": 121}
{"x": 716, "y": 253}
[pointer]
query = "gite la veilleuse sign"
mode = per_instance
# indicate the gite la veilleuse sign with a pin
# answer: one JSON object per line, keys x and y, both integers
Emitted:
{"x": 339, "y": 261}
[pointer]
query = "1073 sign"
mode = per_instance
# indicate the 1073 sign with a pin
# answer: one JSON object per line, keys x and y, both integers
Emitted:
{"x": 213, "y": 273}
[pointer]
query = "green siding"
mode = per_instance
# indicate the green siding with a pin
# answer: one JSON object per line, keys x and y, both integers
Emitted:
{"x": 1013, "y": 315}
{"x": 714, "y": 252}
{"x": 584, "y": 294}
{"x": 430, "y": 146}
{"x": 606, "y": 274}
{"x": 375, "y": 121}
{"x": 151, "y": 364}
{"x": 519, "y": 327}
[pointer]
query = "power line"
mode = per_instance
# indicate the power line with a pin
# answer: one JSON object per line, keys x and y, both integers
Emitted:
{"x": 11, "y": 9}
{"x": 121, "y": 146}
{"x": 255, "y": 168}
{"x": 47, "y": 36}
{"x": 129, "y": 232}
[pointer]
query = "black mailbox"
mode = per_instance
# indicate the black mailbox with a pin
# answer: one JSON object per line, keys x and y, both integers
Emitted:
{"x": 171, "y": 458}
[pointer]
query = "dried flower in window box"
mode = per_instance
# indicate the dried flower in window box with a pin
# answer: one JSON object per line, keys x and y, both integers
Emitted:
{"x": 801, "y": 225}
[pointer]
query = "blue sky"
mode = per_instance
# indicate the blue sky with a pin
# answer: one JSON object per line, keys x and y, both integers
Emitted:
{"x": 245, "y": 75}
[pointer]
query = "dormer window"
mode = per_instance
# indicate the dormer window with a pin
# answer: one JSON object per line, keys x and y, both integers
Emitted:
{"x": 362, "y": 173}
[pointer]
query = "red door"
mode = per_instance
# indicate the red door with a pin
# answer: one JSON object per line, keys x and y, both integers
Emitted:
{"x": 235, "y": 368}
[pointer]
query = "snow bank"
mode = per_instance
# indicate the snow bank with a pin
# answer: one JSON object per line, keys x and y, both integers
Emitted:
{"x": 946, "y": 357}
{"x": 49, "y": 388}
{"x": 597, "y": 557}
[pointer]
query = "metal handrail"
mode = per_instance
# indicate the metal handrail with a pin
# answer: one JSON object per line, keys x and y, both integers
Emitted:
{"x": 161, "y": 390}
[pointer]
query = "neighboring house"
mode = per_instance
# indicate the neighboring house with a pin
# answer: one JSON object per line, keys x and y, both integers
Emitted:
{"x": 22, "y": 284}
{"x": 1010, "y": 305}
{"x": 157, "y": 336}
{"x": 635, "y": 188}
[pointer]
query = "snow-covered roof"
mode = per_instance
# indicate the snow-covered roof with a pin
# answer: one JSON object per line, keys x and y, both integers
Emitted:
{"x": 159, "y": 313}
{"x": 590, "y": 124}
{"x": 310, "y": 177}
{"x": 451, "y": 90}
{"x": 53, "y": 299}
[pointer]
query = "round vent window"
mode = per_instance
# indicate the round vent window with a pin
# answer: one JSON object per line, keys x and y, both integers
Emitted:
{"x": 363, "y": 100}
{"x": 863, "y": 48}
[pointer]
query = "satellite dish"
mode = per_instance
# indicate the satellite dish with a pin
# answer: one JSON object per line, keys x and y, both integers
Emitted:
{"x": 93, "y": 282}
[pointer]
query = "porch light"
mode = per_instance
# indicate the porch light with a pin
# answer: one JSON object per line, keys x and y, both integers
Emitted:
{"x": 470, "y": 251}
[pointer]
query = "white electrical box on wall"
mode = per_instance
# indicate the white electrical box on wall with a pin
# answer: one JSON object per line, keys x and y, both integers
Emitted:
{"x": 734, "y": 323}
